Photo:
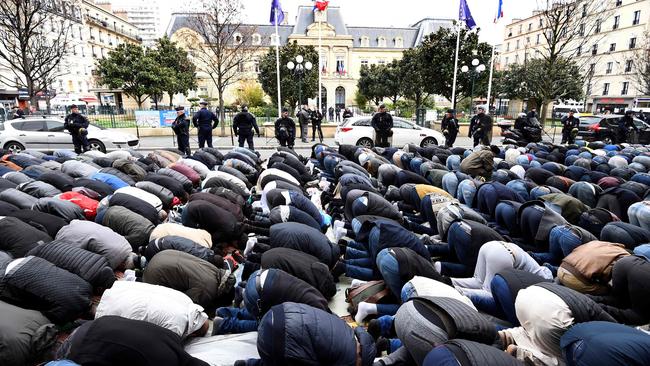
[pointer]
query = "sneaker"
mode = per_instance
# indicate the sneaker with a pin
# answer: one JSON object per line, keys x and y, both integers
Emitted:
{"x": 340, "y": 232}
{"x": 338, "y": 270}
{"x": 374, "y": 329}
{"x": 338, "y": 223}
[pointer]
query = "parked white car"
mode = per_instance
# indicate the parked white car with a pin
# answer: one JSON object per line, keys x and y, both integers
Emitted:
{"x": 357, "y": 131}
{"x": 48, "y": 133}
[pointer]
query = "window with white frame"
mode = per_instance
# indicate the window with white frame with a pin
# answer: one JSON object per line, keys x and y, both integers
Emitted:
{"x": 610, "y": 67}
{"x": 399, "y": 42}
{"x": 340, "y": 65}
{"x": 257, "y": 39}
{"x": 606, "y": 89}
{"x": 237, "y": 38}
{"x": 628, "y": 65}
{"x": 365, "y": 41}
{"x": 637, "y": 17}
{"x": 381, "y": 42}
{"x": 626, "y": 88}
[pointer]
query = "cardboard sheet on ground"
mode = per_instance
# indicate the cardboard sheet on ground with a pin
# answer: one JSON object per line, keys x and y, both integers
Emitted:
{"x": 224, "y": 350}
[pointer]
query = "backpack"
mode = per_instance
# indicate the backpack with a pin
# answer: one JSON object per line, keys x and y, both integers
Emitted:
{"x": 374, "y": 292}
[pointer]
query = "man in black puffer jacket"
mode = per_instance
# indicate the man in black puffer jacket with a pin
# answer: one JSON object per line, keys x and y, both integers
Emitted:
{"x": 18, "y": 237}
{"x": 243, "y": 125}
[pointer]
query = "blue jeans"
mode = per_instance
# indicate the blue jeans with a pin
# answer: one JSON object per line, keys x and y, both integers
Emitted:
{"x": 506, "y": 217}
{"x": 639, "y": 214}
{"x": 504, "y": 303}
{"x": 561, "y": 242}
{"x": 235, "y": 321}
{"x": 450, "y": 183}
{"x": 389, "y": 269}
{"x": 427, "y": 211}
{"x": 458, "y": 241}
{"x": 466, "y": 192}
{"x": 352, "y": 253}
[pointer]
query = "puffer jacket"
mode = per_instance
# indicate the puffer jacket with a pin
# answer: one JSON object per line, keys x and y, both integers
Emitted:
{"x": 25, "y": 335}
{"x": 285, "y": 213}
{"x": 135, "y": 228}
{"x": 222, "y": 225}
{"x": 164, "y": 195}
{"x": 196, "y": 165}
{"x": 96, "y": 238}
{"x": 306, "y": 239}
{"x": 18, "y": 237}
{"x": 77, "y": 169}
{"x": 222, "y": 179}
{"x": 101, "y": 188}
{"x": 38, "y": 189}
{"x": 188, "y": 172}
{"x": 181, "y": 244}
{"x": 17, "y": 177}
{"x": 158, "y": 305}
{"x": 88, "y": 205}
{"x": 171, "y": 184}
{"x": 143, "y": 195}
{"x": 18, "y": 198}
{"x": 29, "y": 285}
{"x": 203, "y": 282}
{"x": 62, "y": 182}
{"x": 113, "y": 177}
{"x": 186, "y": 182}
{"x": 58, "y": 207}
{"x": 236, "y": 173}
{"x": 201, "y": 237}
{"x": 303, "y": 266}
{"x": 280, "y": 197}
{"x": 136, "y": 205}
{"x": 130, "y": 168}
{"x": 271, "y": 175}
{"x": 92, "y": 267}
{"x": 222, "y": 202}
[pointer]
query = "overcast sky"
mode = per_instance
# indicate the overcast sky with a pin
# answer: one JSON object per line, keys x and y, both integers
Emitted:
{"x": 396, "y": 13}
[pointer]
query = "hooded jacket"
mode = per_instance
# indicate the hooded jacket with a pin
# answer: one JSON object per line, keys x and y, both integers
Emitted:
{"x": 130, "y": 168}
{"x": 198, "y": 236}
{"x": 222, "y": 225}
{"x": 92, "y": 267}
{"x": 29, "y": 285}
{"x": 24, "y": 334}
{"x": 164, "y": 195}
{"x": 58, "y": 207}
{"x": 104, "y": 341}
{"x": 204, "y": 283}
{"x": 136, "y": 205}
{"x": 298, "y": 334}
{"x": 18, "y": 198}
{"x": 181, "y": 244}
{"x": 135, "y": 228}
{"x": 38, "y": 189}
{"x": 303, "y": 266}
{"x": 306, "y": 239}
{"x": 97, "y": 239}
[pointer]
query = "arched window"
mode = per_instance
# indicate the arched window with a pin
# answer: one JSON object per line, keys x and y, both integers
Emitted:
{"x": 237, "y": 38}
{"x": 381, "y": 42}
{"x": 365, "y": 41}
{"x": 339, "y": 96}
{"x": 399, "y": 42}
{"x": 257, "y": 39}
{"x": 274, "y": 40}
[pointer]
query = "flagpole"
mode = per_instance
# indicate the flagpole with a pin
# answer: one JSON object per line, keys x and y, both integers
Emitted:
{"x": 489, "y": 92}
{"x": 453, "y": 88}
{"x": 320, "y": 66}
{"x": 277, "y": 63}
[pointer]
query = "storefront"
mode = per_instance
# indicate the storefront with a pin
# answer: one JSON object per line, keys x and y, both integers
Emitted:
{"x": 613, "y": 105}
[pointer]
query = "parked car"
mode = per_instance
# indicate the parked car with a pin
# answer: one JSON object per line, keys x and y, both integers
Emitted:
{"x": 48, "y": 133}
{"x": 357, "y": 131}
{"x": 604, "y": 127}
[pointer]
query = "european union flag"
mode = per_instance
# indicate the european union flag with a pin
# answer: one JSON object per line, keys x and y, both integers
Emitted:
{"x": 465, "y": 15}
{"x": 277, "y": 15}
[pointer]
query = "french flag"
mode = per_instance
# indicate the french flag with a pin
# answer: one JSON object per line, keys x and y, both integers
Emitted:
{"x": 499, "y": 11}
{"x": 320, "y": 5}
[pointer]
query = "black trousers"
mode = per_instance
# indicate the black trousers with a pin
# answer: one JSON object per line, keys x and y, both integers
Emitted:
{"x": 80, "y": 143}
{"x": 246, "y": 138}
{"x": 314, "y": 128}
{"x": 183, "y": 143}
{"x": 451, "y": 138}
{"x": 381, "y": 140}
{"x": 285, "y": 142}
{"x": 568, "y": 137}
{"x": 205, "y": 136}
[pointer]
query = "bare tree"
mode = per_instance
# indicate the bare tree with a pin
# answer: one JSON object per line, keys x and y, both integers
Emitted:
{"x": 227, "y": 45}
{"x": 570, "y": 28}
{"x": 641, "y": 66}
{"x": 34, "y": 39}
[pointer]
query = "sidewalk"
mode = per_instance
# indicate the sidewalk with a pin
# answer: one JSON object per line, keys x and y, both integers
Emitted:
{"x": 261, "y": 143}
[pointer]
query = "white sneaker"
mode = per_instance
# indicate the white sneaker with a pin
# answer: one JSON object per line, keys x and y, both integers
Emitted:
{"x": 357, "y": 283}
{"x": 338, "y": 224}
{"x": 250, "y": 244}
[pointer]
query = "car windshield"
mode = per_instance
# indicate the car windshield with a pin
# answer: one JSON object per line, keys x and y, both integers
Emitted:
{"x": 589, "y": 120}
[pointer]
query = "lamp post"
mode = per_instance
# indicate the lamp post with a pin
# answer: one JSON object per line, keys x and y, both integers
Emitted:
{"x": 299, "y": 69}
{"x": 477, "y": 68}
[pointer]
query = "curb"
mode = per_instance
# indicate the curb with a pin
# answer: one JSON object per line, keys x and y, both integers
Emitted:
{"x": 296, "y": 147}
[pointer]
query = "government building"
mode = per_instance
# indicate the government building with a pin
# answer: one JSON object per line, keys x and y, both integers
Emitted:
{"x": 345, "y": 49}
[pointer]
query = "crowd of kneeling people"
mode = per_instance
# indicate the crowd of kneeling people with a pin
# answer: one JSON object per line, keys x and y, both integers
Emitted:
{"x": 508, "y": 255}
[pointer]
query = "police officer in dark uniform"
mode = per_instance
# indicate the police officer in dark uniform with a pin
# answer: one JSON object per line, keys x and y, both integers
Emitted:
{"x": 625, "y": 123}
{"x": 181, "y": 127}
{"x": 205, "y": 121}
{"x": 450, "y": 127}
{"x": 316, "y": 121}
{"x": 480, "y": 128}
{"x": 77, "y": 125}
{"x": 243, "y": 125}
{"x": 382, "y": 123}
{"x": 569, "y": 123}
{"x": 285, "y": 129}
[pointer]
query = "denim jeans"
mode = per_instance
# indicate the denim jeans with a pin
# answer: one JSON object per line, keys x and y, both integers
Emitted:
{"x": 585, "y": 192}
{"x": 625, "y": 233}
{"x": 352, "y": 253}
{"x": 519, "y": 186}
{"x": 639, "y": 214}
{"x": 562, "y": 241}
{"x": 389, "y": 269}
{"x": 531, "y": 217}
{"x": 506, "y": 217}
{"x": 427, "y": 211}
{"x": 235, "y": 321}
{"x": 360, "y": 272}
{"x": 641, "y": 178}
{"x": 504, "y": 303}
{"x": 450, "y": 183}
{"x": 466, "y": 192}
{"x": 458, "y": 241}
{"x": 453, "y": 162}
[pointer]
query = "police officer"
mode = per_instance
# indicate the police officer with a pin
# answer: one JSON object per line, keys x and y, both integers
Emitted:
{"x": 77, "y": 125}
{"x": 285, "y": 129}
{"x": 382, "y": 123}
{"x": 347, "y": 113}
{"x": 625, "y": 123}
{"x": 181, "y": 127}
{"x": 205, "y": 121}
{"x": 480, "y": 127}
{"x": 450, "y": 127}
{"x": 532, "y": 114}
{"x": 304, "y": 115}
{"x": 243, "y": 125}
{"x": 569, "y": 122}
{"x": 316, "y": 121}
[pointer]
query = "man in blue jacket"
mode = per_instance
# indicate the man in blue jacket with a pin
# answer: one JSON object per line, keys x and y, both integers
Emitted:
{"x": 205, "y": 121}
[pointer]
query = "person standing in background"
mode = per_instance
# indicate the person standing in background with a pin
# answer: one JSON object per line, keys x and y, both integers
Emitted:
{"x": 205, "y": 121}
{"x": 181, "y": 127}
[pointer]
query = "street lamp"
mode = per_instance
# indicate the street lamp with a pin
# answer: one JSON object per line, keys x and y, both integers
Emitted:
{"x": 477, "y": 68}
{"x": 299, "y": 69}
